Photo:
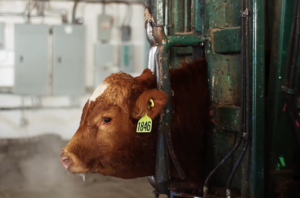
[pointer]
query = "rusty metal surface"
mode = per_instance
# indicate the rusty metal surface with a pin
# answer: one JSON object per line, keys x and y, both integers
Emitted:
{"x": 226, "y": 40}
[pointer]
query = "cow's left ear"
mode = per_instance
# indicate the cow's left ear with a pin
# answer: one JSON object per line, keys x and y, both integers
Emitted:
{"x": 150, "y": 102}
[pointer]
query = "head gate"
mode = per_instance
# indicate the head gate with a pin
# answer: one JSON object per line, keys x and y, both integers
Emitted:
{"x": 158, "y": 63}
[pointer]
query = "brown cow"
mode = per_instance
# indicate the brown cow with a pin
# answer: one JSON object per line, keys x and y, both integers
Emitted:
{"x": 106, "y": 140}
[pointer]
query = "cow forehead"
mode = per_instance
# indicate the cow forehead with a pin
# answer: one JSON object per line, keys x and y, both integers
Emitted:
{"x": 98, "y": 92}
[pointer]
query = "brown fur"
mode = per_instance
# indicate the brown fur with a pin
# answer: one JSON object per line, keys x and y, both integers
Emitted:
{"x": 115, "y": 148}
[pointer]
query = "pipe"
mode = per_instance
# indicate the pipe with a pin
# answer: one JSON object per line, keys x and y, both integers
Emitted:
{"x": 187, "y": 15}
{"x": 152, "y": 51}
{"x": 167, "y": 17}
{"x": 246, "y": 91}
{"x": 178, "y": 15}
{"x": 291, "y": 45}
{"x": 151, "y": 59}
{"x": 199, "y": 16}
{"x": 236, "y": 165}
{"x": 257, "y": 122}
{"x": 295, "y": 50}
{"x": 162, "y": 173}
{"x": 149, "y": 34}
{"x": 205, "y": 187}
{"x": 157, "y": 11}
{"x": 74, "y": 12}
{"x": 290, "y": 71}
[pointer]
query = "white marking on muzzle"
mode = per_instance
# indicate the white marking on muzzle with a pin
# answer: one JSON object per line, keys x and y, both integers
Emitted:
{"x": 98, "y": 92}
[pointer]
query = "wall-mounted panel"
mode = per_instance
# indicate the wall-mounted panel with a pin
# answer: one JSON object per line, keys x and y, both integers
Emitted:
{"x": 31, "y": 59}
{"x": 104, "y": 27}
{"x": 68, "y": 60}
{"x": 127, "y": 58}
{"x": 2, "y": 35}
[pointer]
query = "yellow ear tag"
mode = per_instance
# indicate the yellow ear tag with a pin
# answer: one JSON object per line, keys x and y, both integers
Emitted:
{"x": 151, "y": 103}
{"x": 144, "y": 125}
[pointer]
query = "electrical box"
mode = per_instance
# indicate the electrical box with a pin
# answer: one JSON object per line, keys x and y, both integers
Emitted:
{"x": 104, "y": 55}
{"x": 2, "y": 35}
{"x": 127, "y": 58}
{"x": 104, "y": 27}
{"x": 68, "y": 75}
{"x": 31, "y": 59}
{"x": 126, "y": 33}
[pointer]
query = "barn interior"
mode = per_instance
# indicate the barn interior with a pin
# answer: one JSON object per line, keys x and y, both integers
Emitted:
{"x": 43, "y": 43}
{"x": 54, "y": 53}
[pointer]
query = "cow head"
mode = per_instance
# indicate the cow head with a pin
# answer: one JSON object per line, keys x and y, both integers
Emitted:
{"x": 106, "y": 140}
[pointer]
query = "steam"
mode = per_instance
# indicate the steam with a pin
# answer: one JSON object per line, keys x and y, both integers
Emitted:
{"x": 31, "y": 167}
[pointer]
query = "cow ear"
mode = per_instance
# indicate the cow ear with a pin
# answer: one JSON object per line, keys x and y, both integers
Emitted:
{"x": 150, "y": 102}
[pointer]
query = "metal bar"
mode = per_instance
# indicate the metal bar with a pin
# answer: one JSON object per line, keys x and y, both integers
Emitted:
{"x": 187, "y": 15}
{"x": 178, "y": 14}
{"x": 165, "y": 43}
{"x": 192, "y": 14}
{"x": 153, "y": 47}
{"x": 162, "y": 169}
{"x": 163, "y": 57}
{"x": 74, "y": 11}
{"x": 162, "y": 173}
{"x": 157, "y": 11}
{"x": 258, "y": 128}
{"x": 166, "y": 17}
{"x": 278, "y": 123}
{"x": 199, "y": 17}
{"x": 182, "y": 41}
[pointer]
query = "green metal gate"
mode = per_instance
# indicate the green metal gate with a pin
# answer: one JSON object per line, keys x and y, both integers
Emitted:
{"x": 245, "y": 44}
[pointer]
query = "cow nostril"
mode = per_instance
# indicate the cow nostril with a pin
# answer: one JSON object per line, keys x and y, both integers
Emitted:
{"x": 66, "y": 161}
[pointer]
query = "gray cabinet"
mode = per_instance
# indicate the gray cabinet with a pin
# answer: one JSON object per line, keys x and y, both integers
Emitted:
{"x": 68, "y": 74}
{"x": 31, "y": 59}
{"x": 2, "y": 35}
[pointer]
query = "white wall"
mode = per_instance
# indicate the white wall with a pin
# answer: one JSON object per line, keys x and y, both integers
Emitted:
{"x": 52, "y": 119}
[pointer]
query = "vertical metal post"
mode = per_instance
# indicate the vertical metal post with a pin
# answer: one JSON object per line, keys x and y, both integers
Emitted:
{"x": 178, "y": 14}
{"x": 187, "y": 15}
{"x": 157, "y": 8}
{"x": 199, "y": 17}
{"x": 258, "y": 128}
{"x": 162, "y": 173}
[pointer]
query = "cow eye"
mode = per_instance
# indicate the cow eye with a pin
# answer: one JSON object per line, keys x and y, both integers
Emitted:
{"x": 106, "y": 120}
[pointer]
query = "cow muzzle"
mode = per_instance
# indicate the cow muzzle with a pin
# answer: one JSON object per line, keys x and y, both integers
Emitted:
{"x": 66, "y": 160}
{"x": 71, "y": 163}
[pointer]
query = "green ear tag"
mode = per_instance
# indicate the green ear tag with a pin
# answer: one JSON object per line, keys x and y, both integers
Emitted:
{"x": 144, "y": 125}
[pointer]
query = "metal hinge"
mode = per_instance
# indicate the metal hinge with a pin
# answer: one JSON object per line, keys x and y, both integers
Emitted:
{"x": 245, "y": 13}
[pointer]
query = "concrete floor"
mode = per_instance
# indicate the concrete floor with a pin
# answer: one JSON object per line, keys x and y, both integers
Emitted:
{"x": 30, "y": 168}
